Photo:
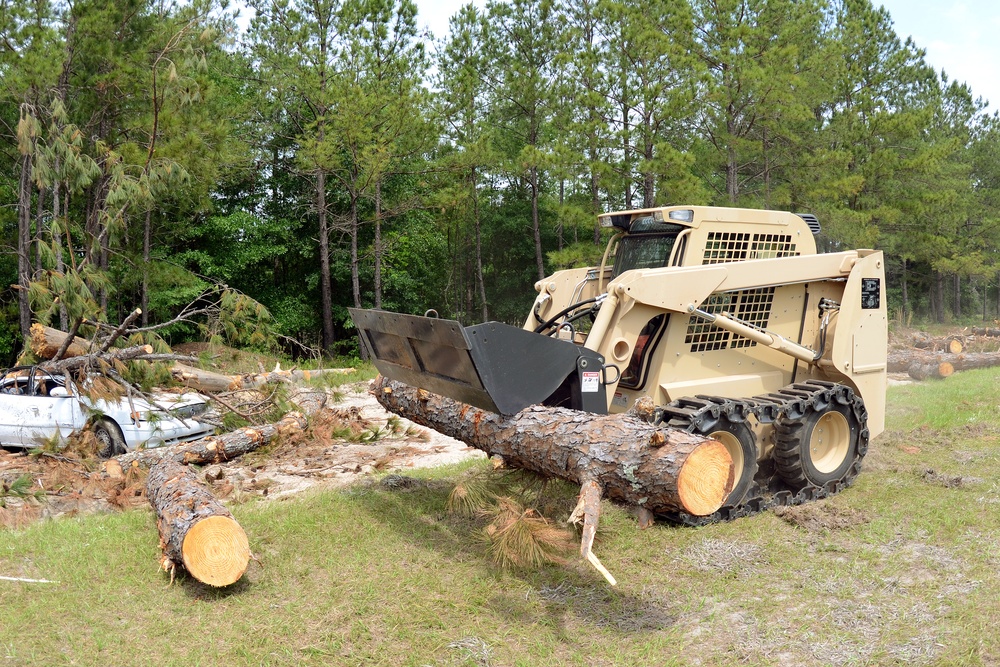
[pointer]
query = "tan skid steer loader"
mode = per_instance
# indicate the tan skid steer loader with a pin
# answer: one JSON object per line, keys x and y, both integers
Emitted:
{"x": 727, "y": 319}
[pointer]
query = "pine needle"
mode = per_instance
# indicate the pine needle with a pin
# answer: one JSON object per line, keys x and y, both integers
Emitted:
{"x": 471, "y": 497}
{"x": 521, "y": 538}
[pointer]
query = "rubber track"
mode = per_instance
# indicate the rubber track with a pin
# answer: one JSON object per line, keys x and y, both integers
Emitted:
{"x": 698, "y": 414}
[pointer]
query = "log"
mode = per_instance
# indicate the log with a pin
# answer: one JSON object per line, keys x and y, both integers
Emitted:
{"x": 989, "y": 332}
{"x": 217, "y": 449}
{"x": 46, "y": 341}
{"x": 922, "y": 362}
{"x": 939, "y": 370}
{"x": 634, "y": 463}
{"x": 949, "y": 344}
{"x": 196, "y": 530}
{"x": 209, "y": 382}
{"x": 200, "y": 380}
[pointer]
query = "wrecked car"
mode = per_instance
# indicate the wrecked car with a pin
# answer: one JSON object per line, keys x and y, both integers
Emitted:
{"x": 37, "y": 406}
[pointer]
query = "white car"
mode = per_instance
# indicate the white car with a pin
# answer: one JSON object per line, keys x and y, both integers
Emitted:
{"x": 36, "y": 406}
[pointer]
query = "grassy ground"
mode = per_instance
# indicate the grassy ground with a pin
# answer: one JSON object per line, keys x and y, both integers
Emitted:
{"x": 900, "y": 569}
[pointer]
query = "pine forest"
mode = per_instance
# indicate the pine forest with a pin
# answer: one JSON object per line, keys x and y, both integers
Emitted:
{"x": 251, "y": 172}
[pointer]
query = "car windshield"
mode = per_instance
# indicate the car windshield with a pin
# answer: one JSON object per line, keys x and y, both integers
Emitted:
{"x": 647, "y": 246}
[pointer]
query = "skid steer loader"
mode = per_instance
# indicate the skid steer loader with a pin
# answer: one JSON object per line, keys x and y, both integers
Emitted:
{"x": 728, "y": 319}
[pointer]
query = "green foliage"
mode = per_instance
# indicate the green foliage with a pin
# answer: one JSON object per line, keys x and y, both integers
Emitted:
{"x": 316, "y": 165}
{"x": 20, "y": 487}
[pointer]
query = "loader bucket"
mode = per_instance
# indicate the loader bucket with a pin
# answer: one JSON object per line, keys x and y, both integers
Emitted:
{"x": 492, "y": 366}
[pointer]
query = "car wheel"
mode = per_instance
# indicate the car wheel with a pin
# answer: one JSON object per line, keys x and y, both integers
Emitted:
{"x": 110, "y": 441}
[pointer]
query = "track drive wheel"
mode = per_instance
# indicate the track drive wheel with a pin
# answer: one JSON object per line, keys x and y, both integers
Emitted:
{"x": 741, "y": 444}
{"x": 821, "y": 444}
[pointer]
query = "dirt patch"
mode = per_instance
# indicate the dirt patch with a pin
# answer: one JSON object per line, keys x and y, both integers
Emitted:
{"x": 351, "y": 439}
{"x": 820, "y": 517}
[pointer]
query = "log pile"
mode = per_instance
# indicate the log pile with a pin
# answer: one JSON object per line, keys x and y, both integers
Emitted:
{"x": 619, "y": 457}
{"x": 931, "y": 357}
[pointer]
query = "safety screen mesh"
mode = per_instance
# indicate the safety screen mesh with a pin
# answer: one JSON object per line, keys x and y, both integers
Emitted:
{"x": 722, "y": 247}
{"x": 750, "y": 306}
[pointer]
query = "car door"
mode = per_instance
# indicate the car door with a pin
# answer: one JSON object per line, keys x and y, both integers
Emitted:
{"x": 44, "y": 415}
{"x": 12, "y": 409}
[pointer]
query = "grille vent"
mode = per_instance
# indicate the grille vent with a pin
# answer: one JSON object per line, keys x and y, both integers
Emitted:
{"x": 722, "y": 247}
{"x": 751, "y": 306}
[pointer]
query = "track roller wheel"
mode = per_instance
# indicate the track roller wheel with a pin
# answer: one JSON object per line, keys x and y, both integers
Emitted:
{"x": 820, "y": 445}
{"x": 741, "y": 444}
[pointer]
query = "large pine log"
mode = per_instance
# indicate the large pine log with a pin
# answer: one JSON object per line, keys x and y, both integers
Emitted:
{"x": 633, "y": 462}
{"x": 902, "y": 361}
{"x": 201, "y": 380}
{"x": 196, "y": 530}
{"x": 46, "y": 341}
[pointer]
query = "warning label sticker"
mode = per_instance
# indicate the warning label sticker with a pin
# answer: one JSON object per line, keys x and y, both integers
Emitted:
{"x": 591, "y": 383}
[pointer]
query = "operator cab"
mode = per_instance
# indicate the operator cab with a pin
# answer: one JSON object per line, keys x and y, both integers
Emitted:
{"x": 647, "y": 240}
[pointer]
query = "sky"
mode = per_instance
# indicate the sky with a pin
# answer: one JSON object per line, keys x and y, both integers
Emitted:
{"x": 962, "y": 37}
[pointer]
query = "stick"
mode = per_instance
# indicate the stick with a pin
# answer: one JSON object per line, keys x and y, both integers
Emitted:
{"x": 28, "y": 581}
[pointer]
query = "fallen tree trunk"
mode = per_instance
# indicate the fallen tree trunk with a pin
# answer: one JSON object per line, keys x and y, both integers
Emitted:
{"x": 201, "y": 380}
{"x": 207, "y": 381}
{"x": 938, "y": 370}
{"x": 217, "y": 449}
{"x": 989, "y": 332}
{"x": 922, "y": 365}
{"x": 46, "y": 341}
{"x": 620, "y": 457}
{"x": 634, "y": 462}
{"x": 949, "y": 344}
{"x": 196, "y": 530}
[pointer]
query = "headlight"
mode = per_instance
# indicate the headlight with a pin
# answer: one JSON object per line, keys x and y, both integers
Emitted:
{"x": 189, "y": 411}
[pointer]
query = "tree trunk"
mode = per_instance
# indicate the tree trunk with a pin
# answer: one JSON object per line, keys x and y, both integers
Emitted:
{"x": 938, "y": 370}
{"x": 938, "y": 299}
{"x": 536, "y": 222}
{"x": 201, "y": 380}
{"x": 147, "y": 246}
{"x": 957, "y": 305}
{"x": 480, "y": 279}
{"x": 634, "y": 462}
{"x": 196, "y": 530}
{"x": 326, "y": 287}
{"x": 378, "y": 245}
{"x": 902, "y": 362}
{"x": 217, "y": 449}
{"x": 949, "y": 344}
{"x": 46, "y": 341}
{"x": 23, "y": 245}
{"x": 906, "y": 294}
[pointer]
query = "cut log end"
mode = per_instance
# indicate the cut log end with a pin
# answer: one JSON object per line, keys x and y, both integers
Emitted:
{"x": 707, "y": 470}
{"x": 216, "y": 551}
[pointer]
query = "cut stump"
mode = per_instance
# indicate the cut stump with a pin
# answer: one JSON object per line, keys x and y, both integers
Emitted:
{"x": 196, "y": 530}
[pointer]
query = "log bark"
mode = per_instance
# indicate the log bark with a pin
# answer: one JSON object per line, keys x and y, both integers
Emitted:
{"x": 903, "y": 361}
{"x": 938, "y": 370}
{"x": 46, "y": 341}
{"x": 217, "y": 449}
{"x": 633, "y": 462}
{"x": 196, "y": 530}
{"x": 200, "y": 380}
{"x": 948, "y": 344}
{"x": 989, "y": 332}
{"x": 207, "y": 381}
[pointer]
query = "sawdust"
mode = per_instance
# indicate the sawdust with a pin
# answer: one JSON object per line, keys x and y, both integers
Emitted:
{"x": 351, "y": 439}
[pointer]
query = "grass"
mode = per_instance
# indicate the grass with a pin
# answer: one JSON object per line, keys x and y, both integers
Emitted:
{"x": 900, "y": 569}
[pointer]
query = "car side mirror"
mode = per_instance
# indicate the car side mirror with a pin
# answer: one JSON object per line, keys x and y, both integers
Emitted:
{"x": 59, "y": 391}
